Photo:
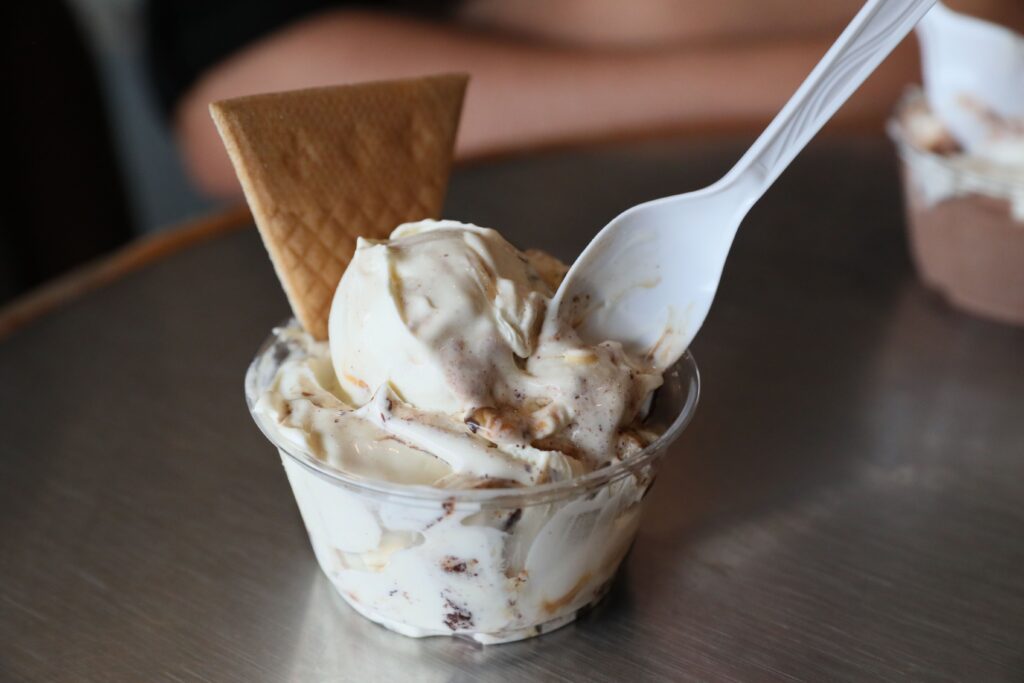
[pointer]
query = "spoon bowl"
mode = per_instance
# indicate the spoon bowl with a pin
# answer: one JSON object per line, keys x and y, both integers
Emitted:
{"x": 648, "y": 278}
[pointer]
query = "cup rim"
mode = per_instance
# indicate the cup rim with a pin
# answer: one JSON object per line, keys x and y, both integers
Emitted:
{"x": 683, "y": 372}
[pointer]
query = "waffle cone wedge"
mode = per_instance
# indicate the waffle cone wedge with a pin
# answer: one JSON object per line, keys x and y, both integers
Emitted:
{"x": 323, "y": 166}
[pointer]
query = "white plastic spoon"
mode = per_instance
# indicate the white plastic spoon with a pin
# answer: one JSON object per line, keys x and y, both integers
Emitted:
{"x": 973, "y": 71}
{"x": 648, "y": 278}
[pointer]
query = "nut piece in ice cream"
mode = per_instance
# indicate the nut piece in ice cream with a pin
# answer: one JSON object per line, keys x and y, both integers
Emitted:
{"x": 323, "y": 165}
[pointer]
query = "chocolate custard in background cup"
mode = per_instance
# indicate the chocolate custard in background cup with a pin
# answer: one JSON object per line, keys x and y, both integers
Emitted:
{"x": 495, "y": 565}
{"x": 965, "y": 216}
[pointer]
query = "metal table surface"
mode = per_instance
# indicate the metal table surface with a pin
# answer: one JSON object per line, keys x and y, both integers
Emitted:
{"x": 847, "y": 505}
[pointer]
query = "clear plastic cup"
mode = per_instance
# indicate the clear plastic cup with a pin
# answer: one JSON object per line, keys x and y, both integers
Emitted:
{"x": 965, "y": 224}
{"x": 494, "y": 565}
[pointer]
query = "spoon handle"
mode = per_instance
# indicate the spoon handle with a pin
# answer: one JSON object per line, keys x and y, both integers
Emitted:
{"x": 871, "y": 36}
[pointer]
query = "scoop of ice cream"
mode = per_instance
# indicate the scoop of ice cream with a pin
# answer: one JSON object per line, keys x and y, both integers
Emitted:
{"x": 436, "y": 355}
{"x": 441, "y": 313}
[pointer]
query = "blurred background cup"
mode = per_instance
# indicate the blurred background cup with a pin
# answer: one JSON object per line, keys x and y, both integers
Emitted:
{"x": 961, "y": 147}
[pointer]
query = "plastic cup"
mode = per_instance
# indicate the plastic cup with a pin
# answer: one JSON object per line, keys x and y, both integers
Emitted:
{"x": 493, "y": 565}
{"x": 965, "y": 227}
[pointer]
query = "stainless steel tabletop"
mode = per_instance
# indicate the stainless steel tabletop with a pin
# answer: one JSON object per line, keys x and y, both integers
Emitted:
{"x": 848, "y": 503}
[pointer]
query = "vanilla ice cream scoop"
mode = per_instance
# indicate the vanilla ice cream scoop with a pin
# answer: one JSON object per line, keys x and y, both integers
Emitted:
{"x": 441, "y": 313}
{"x": 436, "y": 351}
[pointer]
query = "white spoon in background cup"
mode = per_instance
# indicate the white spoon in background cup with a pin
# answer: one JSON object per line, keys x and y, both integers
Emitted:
{"x": 973, "y": 75}
{"x": 648, "y": 278}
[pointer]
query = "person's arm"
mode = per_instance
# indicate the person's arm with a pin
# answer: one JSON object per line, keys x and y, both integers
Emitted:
{"x": 522, "y": 94}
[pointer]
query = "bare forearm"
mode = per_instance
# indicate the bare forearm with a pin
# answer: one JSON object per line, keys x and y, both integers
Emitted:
{"x": 522, "y": 94}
